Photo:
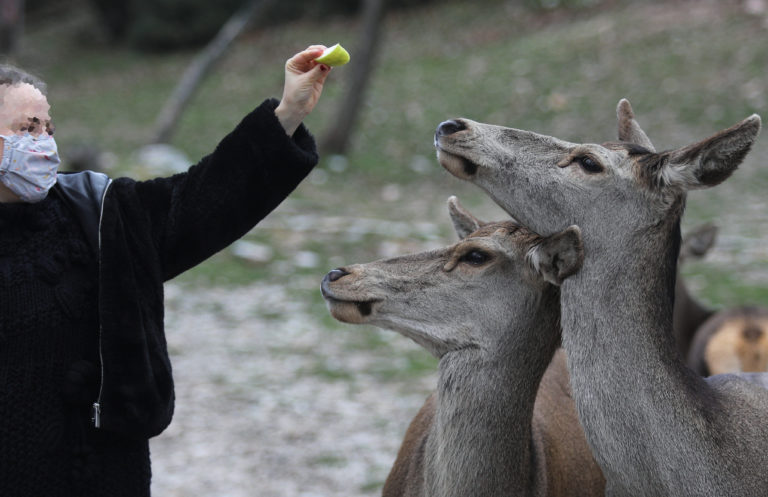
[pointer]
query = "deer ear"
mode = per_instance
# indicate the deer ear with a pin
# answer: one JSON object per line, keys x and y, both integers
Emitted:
{"x": 463, "y": 222}
{"x": 698, "y": 242}
{"x": 710, "y": 161}
{"x": 629, "y": 129}
{"x": 558, "y": 256}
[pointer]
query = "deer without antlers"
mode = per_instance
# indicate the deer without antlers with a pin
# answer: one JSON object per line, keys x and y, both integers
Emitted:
{"x": 731, "y": 340}
{"x": 688, "y": 313}
{"x": 501, "y": 421}
{"x": 655, "y": 427}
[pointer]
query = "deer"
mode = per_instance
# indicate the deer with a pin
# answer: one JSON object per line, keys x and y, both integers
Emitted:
{"x": 654, "y": 426}
{"x": 501, "y": 420}
{"x": 689, "y": 313}
{"x": 729, "y": 340}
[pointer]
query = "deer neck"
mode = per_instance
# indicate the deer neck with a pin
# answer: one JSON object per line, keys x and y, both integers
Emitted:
{"x": 623, "y": 294}
{"x": 480, "y": 441}
{"x": 635, "y": 398}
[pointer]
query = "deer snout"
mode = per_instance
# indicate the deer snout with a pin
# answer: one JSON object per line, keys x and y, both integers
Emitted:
{"x": 332, "y": 276}
{"x": 446, "y": 128}
{"x": 450, "y": 154}
{"x": 336, "y": 274}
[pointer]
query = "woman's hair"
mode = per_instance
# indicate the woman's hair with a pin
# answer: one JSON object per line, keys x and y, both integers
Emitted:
{"x": 12, "y": 75}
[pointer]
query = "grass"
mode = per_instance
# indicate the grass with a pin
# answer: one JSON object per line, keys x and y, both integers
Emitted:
{"x": 328, "y": 460}
{"x": 690, "y": 68}
{"x": 721, "y": 287}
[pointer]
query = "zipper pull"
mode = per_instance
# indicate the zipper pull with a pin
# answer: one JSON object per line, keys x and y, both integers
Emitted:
{"x": 96, "y": 418}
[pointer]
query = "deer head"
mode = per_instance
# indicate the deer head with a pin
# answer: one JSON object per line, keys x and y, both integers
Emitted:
{"x": 464, "y": 296}
{"x": 620, "y": 187}
{"x": 698, "y": 242}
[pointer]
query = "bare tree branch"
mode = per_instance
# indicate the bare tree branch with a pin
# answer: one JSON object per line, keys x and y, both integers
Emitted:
{"x": 200, "y": 67}
{"x": 337, "y": 139}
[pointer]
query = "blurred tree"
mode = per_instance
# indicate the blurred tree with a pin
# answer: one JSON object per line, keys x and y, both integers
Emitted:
{"x": 286, "y": 10}
{"x": 116, "y": 16}
{"x": 169, "y": 24}
{"x": 11, "y": 26}
{"x": 554, "y": 4}
{"x": 201, "y": 66}
{"x": 362, "y": 65}
{"x": 153, "y": 25}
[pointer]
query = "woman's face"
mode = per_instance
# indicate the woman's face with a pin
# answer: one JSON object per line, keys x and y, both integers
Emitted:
{"x": 23, "y": 108}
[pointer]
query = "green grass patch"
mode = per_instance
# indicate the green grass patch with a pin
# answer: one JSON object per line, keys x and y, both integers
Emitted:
{"x": 330, "y": 372}
{"x": 411, "y": 364}
{"x": 720, "y": 287}
{"x": 372, "y": 486}
{"x": 328, "y": 460}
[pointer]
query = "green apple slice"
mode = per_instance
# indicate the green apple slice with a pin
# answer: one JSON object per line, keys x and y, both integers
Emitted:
{"x": 334, "y": 56}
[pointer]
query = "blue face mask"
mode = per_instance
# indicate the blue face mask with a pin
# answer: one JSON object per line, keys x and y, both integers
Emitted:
{"x": 29, "y": 165}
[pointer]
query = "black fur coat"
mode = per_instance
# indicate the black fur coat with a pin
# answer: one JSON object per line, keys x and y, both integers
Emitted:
{"x": 154, "y": 230}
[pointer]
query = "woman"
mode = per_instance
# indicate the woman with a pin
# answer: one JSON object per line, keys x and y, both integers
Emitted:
{"x": 85, "y": 378}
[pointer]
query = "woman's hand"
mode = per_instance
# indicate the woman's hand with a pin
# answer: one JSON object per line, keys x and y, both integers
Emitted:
{"x": 304, "y": 80}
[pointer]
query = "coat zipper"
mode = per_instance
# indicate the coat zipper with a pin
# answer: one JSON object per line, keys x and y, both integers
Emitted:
{"x": 96, "y": 418}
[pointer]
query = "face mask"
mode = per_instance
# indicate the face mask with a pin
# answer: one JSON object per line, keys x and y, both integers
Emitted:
{"x": 29, "y": 165}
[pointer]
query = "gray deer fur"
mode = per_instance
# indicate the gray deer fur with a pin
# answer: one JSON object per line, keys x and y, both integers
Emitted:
{"x": 485, "y": 308}
{"x": 655, "y": 427}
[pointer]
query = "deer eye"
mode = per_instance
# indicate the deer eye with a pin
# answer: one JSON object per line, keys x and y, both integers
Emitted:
{"x": 475, "y": 257}
{"x": 589, "y": 164}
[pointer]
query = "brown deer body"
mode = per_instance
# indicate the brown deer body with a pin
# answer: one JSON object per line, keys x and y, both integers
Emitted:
{"x": 501, "y": 421}
{"x": 566, "y": 466}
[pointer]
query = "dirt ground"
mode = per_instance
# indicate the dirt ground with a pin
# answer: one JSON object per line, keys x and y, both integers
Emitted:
{"x": 252, "y": 418}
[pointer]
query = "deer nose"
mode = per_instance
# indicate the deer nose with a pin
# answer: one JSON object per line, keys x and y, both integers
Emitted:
{"x": 450, "y": 127}
{"x": 329, "y": 278}
{"x": 336, "y": 274}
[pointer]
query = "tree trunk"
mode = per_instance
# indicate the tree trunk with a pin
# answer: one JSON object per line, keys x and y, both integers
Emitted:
{"x": 11, "y": 26}
{"x": 200, "y": 67}
{"x": 336, "y": 140}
